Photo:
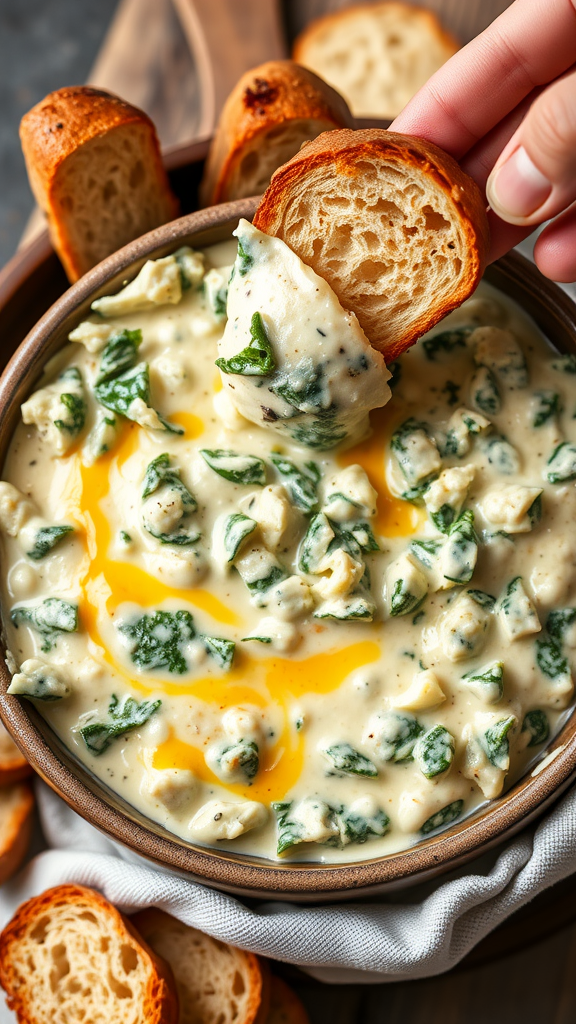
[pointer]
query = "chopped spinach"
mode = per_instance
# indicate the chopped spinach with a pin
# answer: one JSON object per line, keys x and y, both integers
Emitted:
{"x": 445, "y": 342}
{"x": 417, "y": 455}
{"x": 323, "y": 432}
{"x": 74, "y": 401}
{"x": 171, "y": 497}
{"x": 350, "y": 761}
{"x": 460, "y": 551}
{"x": 496, "y": 744}
{"x": 502, "y": 455}
{"x": 547, "y": 406}
{"x": 434, "y": 751}
{"x": 221, "y": 650}
{"x": 426, "y": 551}
{"x": 443, "y": 518}
{"x": 562, "y": 463}
{"x": 443, "y": 817}
{"x": 50, "y": 618}
{"x": 46, "y": 539}
{"x": 304, "y": 388}
{"x": 484, "y": 393}
{"x": 398, "y": 732}
{"x": 240, "y": 759}
{"x": 119, "y": 355}
{"x": 358, "y": 829}
{"x": 482, "y": 598}
{"x": 550, "y": 657}
{"x": 402, "y": 600}
{"x": 565, "y": 364}
{"x": 123, "y": 716}
{"x": 161, "y": 471}
{"x": 301, "y": 484}
{"x": 245, "y": 258}
{"x": 236, "y": 467}
{"x": 235, "y": 528}
{"x": 274, "y": 574}
{"x": 133, "y": 386}
{"x": 257, "y": 359}
{"x": 315, "y": 543}
{"x": 536, "y": 724}
{"x": 289, "y": 831}
{"x": 352, "y": 607}
{"x": 486, "y": 683}
{"x": 560, "y": 620}
{"x": 157, "y": 641}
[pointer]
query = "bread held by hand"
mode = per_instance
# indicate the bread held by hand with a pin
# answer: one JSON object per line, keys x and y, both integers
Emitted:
{"x": 393, "y": 224}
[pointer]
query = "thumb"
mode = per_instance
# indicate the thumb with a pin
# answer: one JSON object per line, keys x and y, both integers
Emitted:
{"x": 534, "y": 177}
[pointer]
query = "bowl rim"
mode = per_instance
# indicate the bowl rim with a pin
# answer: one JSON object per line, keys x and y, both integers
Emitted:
{"x": 242, "y": 874}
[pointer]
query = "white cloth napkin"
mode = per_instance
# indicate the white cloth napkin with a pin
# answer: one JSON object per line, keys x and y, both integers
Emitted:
{"x": 420, "y": 932}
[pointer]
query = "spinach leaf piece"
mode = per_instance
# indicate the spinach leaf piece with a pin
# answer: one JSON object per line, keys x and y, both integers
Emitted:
{"x": 50, "y": 618}
{"x": 434, "y": 751}
{"x": 496, "y": 743}
{"x": 536, "y": 724}
{"x": 236, "y": 467}
{"x": 274, "y": 574}
{"x": 486, "y": 683}
{"x": 358, "y": 829}
{"x": 443, "y": 817}
{"x": 316, "y": 543}
{"x": 289, "y": 832}
{"x": 73, "y": 401}
{"x": 161, "y": 471}
{"x": 445, "y": 342}
{"x": 402, "y": 600}
{"x": 257, "y": 359}
{"x": 157, "y": 640}
{"x": 550, "y": 657}
{"x": 221, "y": 650}
{"x": 304, "y": 388}
{"x": 547, "y": 406}
{"x": 119, "y": 355}
{"x": 244, "y": 258}
{"x": 326, "y": 431}
{"x": 461, "y": 549}
{"x": 501, "y": 454}
{"x": 123, "y": 716}
{"x": 484, "y": 393}
{"x": 46, "y": 539}
{"x": 417, "y": 456}
{"x": 300, "y": 484}
{"x": 361, "y": 533}
{"x": 443, "y": 518}
{"x": 121, "y": 392}
{"x": 235, "y": 528}
{"x": 560, "y": 621}
{"x": 240, "y": 759}
{"x": 172, "y": 505}
{"x": 426, "y": 551}
{"x": 565, "y": 364}
{"x": 350, "y": 761}
{"x": 397, "y": 735}
{"x": 482, "y": 598}
{"x": 562, "y": 463}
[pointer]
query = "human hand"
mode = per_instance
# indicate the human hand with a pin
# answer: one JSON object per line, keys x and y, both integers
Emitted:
{"x": 505, "y": 107}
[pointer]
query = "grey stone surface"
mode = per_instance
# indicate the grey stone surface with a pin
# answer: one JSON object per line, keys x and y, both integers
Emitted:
{"x": 44, "y": 44}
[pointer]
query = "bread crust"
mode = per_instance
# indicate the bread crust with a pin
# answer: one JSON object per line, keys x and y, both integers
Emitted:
{"x": 13, "y": 765}
{"x": 15, "y": 839}
{"x": 309, "y": 33}
{"x": 56, "y": 128}
{"x": 285, "y": 1006}
{"x": 161, "y": 998}
{"x": 345, "y": 150}
{"x": 254, "y": 971}
{"x": 270, "y": 95}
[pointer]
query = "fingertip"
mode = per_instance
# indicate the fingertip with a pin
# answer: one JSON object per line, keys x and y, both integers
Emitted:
{"x": 555, "y": 249}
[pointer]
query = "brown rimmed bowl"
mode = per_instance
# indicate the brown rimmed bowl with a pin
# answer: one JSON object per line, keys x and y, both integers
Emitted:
{"x": 92, "y": 799}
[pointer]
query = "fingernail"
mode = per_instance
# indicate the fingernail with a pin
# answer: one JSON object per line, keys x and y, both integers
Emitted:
{"x": 517, "y": 188}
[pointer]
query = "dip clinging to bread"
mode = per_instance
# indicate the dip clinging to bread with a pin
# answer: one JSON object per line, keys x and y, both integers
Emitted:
{"x": 266, "y": 622}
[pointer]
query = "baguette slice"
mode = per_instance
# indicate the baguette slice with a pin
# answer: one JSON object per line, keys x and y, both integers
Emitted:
{"x": 69, "y": 956}
{"x": 376, "y": 55}
{"x": 13, "y": 765}
{"x": 16, "y": 813}
{"x": 95, "y": 169}
{"x": 390, "y": 221}
{"x": 285, "y": 1006}
{"x": 273, "y": 109}
{"x": 217, "y": 983}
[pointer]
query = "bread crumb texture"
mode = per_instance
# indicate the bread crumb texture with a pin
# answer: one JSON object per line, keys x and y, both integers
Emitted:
{"x": 68, "y": 956}
{"x": 390, "y": 221}
{"x": 377, "y": 55}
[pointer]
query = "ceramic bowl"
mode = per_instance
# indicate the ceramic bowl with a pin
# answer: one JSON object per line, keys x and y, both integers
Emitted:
{"x": 90, "y": 797}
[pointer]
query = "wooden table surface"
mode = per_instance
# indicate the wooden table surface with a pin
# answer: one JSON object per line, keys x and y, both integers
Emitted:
{"x": 146, "y": 58}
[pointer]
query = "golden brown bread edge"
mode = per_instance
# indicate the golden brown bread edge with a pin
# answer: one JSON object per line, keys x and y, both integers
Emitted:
{"x": 15, "y": 840}
{"x": 162, "y": 999}
{"x": 435, "y": 26}
{"x": 345, "y": 149}
{"x": 62, "y": 123}
{"x": 268, "y": 96}
{"x": 285, "y": 1006}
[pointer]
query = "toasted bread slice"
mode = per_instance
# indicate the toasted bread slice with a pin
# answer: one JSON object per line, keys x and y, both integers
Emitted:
{"x": 68, "y": 955}
{"x": 273, "y": 109}
{"x": 95, "y": 169}
{"x": 16, "y": 811}
{"x": 285, "y": 1007}
{"x": 13, "y": 765}
{"x": 390, "y": 221}
{"x": 217, "y": 983}
{"x": 376, "y": 55}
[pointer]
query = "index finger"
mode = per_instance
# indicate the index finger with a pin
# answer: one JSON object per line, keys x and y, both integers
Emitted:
{"x": 530, "y": 44}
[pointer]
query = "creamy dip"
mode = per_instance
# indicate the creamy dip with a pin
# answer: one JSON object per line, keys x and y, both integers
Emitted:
{"x": 264, "y": 624}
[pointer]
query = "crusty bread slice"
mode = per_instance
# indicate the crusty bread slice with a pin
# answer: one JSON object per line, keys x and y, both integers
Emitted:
{"x": 272, "y": 110}
{"x": 16, "y": 811}
{"x": 377, "y": 55}
{"x": 390, "y": 221}
{"x": 69, "y": 957}
{"x": 285, "y": 1007}
{"x": 217, "y": 983}
{"x": 95, "y": 169}
{"x": 13, "y": 765}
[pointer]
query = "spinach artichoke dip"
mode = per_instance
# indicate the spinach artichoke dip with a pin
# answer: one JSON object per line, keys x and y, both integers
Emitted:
{"x": 268, "y": 622}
